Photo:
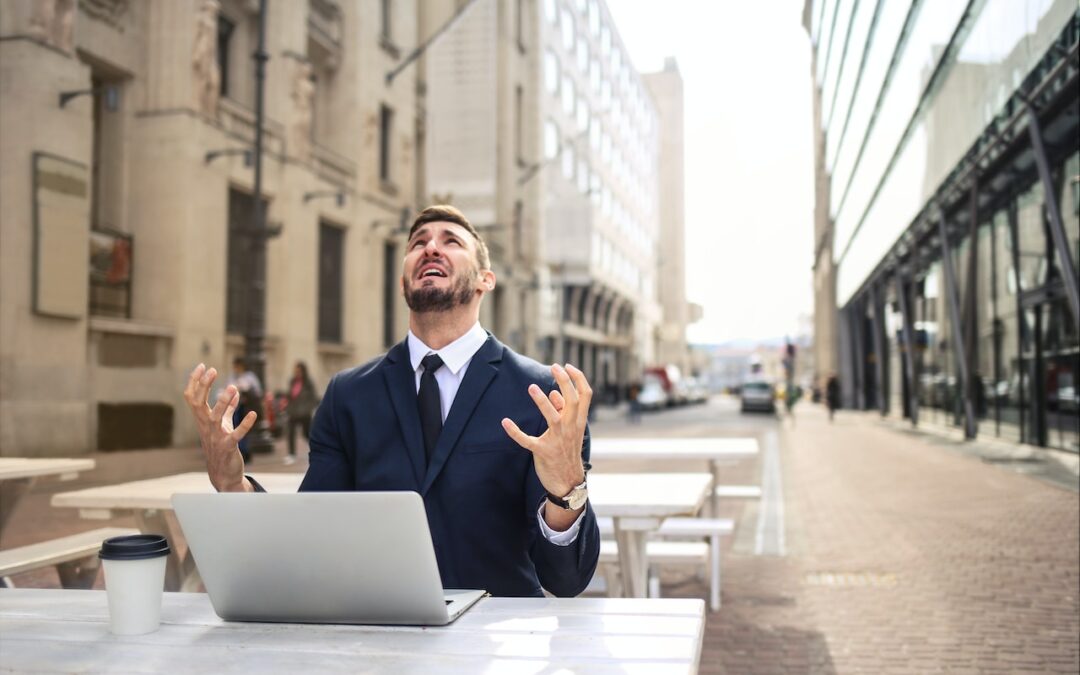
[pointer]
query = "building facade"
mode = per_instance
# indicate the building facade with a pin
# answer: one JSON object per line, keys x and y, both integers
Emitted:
{"x": 666, "y": 87}
{"x": 126, "y": 180}
{"x": 542, "y": 131}
{"x": 126, "y": 153}
{"x": 948, "y": 216}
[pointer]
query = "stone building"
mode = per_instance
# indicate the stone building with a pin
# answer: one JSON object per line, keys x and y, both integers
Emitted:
{"x": 125, "y": 177}
{"x": 666, "y": 87}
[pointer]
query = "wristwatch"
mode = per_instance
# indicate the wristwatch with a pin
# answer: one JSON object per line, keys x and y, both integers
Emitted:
{"x": 574, "y": 499}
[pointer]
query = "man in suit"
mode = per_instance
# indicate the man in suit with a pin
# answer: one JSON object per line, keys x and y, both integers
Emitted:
{"x": 495, "y": 443}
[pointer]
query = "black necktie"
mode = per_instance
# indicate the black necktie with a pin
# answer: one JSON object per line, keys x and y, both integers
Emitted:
{"x": 430, "y": 404}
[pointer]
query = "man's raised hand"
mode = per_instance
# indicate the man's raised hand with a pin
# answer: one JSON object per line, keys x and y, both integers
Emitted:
{"x": 557, "y": 452}
{"x": 220, "y": 441}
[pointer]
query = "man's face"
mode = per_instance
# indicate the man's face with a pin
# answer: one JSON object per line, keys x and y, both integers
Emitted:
{"x": 441, "y": 271}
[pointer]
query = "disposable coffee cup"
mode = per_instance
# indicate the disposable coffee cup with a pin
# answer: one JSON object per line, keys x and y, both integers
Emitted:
{"x": 134, "y": 581}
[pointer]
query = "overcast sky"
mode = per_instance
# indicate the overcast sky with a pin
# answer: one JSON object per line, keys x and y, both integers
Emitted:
{"x": 749, "y": 155}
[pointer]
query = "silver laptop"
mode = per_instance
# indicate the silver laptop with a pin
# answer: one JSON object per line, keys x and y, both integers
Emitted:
{"x": 319, "y": 557}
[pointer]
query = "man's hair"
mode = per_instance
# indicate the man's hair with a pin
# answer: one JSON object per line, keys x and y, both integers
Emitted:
{"x": 445, "y": 213}
{"x": 239, "y": 361}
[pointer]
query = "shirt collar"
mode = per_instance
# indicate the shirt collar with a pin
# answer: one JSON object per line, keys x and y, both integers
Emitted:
{"x": 454, "y": 355}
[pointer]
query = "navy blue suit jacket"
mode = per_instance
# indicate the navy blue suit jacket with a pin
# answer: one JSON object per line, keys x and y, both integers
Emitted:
{"x": 481, "y": 491}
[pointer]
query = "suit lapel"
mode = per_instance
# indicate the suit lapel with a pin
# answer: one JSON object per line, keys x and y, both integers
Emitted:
{"x": 481, "y": 371}
{"x": 401, "y": 382}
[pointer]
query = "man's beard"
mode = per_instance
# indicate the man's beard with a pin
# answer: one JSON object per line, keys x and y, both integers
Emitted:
{"x": 432, "y": 299}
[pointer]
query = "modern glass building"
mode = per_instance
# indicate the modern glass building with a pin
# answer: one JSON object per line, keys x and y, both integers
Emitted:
{"x": 948, "y": 218}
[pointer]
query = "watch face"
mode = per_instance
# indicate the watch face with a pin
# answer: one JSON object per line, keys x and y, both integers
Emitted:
{"x": 577, "y": 498}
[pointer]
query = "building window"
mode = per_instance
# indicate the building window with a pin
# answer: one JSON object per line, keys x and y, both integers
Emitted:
{"x": 582, "y": 115}
{"x": 551, "y": 72}
{"x": 331, "y": 278}
{"x": 567, "y": 30}
{"x": 225, "y": 27}
{"x": 386, "y": 8}
{"x": 111, "y": 256}
{"x": 386, "y": 129}
{"x": 238, "y": 258}
{"x": 519, "y": 26}
{"x": 551, "y": 11}
{"x": 568, "y": 95}
{"x": 583, "y": 55}
{"x": 568, "y": 162}
{"x": 519, "y": 123}
{"x": 551, "y": 139}
{"x": 391, "y": 288}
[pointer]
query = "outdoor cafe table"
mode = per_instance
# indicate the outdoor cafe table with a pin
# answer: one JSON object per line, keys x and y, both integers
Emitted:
{"x": 149, "y": 500}
{"x": 18, "y": 473}
{"x": 67, "y": 631}
{"x": 638, "y": 503}
{"x": 716, "y": 450}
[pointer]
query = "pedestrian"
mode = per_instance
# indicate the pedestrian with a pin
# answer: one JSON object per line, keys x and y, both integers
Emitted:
{"x": 635, "y": 403}
{"x": 792, "y": 394}
{"x": 250, "y": 394}
{"x": 832, "y": 394}
{"x": 299, "y": 407}
{"x": 496, "y": 444}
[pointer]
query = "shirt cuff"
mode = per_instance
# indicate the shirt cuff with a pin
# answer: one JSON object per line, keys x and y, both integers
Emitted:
{"x": 569, "y": 536}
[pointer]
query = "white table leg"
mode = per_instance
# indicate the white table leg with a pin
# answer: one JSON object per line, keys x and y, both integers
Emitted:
{"x": 631, "y": 535}
{"x": 714, "y": 501}
{"x": 180, "y": 571}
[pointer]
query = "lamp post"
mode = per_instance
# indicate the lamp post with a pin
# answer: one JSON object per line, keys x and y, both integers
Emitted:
{"x": 255, "y": 334}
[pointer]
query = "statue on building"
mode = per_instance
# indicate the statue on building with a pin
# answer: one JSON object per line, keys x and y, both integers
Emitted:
{"x": 303, "y": 95}
{"x": 206, "y": 75}
{"x": 53, "y": 22}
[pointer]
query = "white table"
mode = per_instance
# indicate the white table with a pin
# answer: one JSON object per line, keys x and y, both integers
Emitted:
{"x": 638, "y": 503}
{"x": 19, "y": 473}
{"x": 67, "y": 631}
{"x": 716, "y": 450}
{"x": 149, "y": 500}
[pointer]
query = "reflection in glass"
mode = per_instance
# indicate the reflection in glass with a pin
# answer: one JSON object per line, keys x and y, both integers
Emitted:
{"x": 1007, "y": 332}
{"x": 1031, "y": 234}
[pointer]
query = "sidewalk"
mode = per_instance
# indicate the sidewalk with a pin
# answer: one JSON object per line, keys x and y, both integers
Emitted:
{"x": 902, "y": 558}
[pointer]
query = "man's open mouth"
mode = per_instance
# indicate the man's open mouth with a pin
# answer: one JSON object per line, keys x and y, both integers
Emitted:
{"x": 431, "y": 271}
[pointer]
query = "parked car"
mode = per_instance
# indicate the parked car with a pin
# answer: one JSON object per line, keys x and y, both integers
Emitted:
{"x": 672, "y": 381}
{"x": 757, "y": 395}
{"x": 697, "y": 389}
{"x": 652, "y": 395}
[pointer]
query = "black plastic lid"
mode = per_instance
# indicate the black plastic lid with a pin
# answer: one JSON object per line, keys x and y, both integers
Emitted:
{"x": 134, "y": 547}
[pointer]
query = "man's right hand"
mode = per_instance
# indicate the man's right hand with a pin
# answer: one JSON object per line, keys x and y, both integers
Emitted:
{"x": 220, "y": 441}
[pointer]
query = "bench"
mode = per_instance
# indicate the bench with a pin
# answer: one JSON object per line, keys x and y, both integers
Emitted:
{"x": 75, "y": 557}
{"x": 738, "y": 491}
{"x": 661, "y": 552}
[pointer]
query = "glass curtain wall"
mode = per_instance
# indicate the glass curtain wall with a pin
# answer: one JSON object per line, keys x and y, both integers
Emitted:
{"x": 1024, "y": 341}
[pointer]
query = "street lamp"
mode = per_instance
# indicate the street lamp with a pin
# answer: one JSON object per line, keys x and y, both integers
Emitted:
{"x": 260, "y": 439}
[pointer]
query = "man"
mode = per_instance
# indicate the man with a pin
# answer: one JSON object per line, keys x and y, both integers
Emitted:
{"x": 496, "y": 444}
{"x": 250, "y": 390}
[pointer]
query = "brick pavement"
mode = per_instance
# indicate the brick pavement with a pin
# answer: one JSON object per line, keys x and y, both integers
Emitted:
{"x": 903, "y": 556}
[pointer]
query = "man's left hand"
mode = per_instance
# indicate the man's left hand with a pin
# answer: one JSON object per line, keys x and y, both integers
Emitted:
{"x": 557, "y": 452}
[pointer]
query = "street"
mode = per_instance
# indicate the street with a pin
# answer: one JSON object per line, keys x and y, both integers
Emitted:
{"x": 872, "y": 550}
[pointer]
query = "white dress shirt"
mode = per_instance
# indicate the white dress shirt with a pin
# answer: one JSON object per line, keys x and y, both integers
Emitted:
{"x": 456, "y": 357}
